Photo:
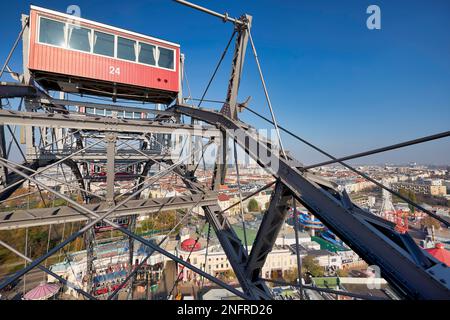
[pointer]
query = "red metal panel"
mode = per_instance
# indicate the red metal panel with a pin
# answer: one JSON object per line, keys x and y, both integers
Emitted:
{"x": 52, "y": 59}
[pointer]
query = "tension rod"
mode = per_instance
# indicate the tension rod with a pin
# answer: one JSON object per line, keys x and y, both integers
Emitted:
{"x": 224, "y": 17}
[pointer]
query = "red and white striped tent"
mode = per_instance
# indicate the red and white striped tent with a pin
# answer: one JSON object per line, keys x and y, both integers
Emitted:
{"x": 42, "y": 292}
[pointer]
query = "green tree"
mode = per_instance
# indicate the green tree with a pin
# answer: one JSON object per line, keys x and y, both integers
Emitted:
{"x": 148, "y": 224}
{"x": 291, "y": 275}
{"x": 429, "y": 222}
{"x": 41, "y": 204}
{"x": 342, "y": 273}
{"x": 167, "y": 219}
{"x": 253, "y": 205}
{"x": 403, "y": 192}
{"x": 229, "y": 274}
{"x": 412, "y": 197}
{"x": 310, "y": 265}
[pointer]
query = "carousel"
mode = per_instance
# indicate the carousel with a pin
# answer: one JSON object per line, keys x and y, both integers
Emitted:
{"x": 43, "y": 291}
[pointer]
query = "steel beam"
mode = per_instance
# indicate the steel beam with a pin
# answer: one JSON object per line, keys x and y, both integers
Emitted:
{"x": 268, "y": 231}
{"x": 230, "y": 106}
{"x": 48, "y": 271}
{"x": 109, "y": 107}
{"x": 373, "y": 243}
{"x": 4, "y": 179}
{"x": 17, "y": 90}
{"x": 104, "y": 217}
{"x": 132, "y": 228}
{"x": 110, "y": 169}
{"x": 25, "y": 48}
{"x": 97, "y": 154}
{"x": 220, "y": 165}
{"x": 22, "y": 218}
{"x": 97, "y": 123}
{"x": 231, "y": 244}
{"x": 224, "y": 17}
{"x": 236, "y": 253}
{"x": 14, "y": 181}
{"x": 89, "y": 242}
{"x": 5, "y": 65}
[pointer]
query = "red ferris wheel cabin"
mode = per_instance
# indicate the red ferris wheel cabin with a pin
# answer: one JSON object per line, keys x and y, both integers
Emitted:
{"x": 72, "y": 54}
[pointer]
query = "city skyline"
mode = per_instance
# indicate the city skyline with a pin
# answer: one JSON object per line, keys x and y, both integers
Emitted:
{"x": 346, "y": 88}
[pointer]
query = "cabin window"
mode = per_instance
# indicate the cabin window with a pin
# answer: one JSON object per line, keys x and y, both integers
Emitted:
{"x": 165, "y": 58}
{"x": 88, "y": 40}
{"x": 79, "y": 38}
{"x": 126, "y": 49}
{"x": 147, "y": 53}
{"x": 51, "y": 32}
{"x": 103, "y": 44}
{"x": 129, "y": 115}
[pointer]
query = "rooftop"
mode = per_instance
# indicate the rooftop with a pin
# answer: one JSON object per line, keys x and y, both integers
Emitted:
{"x": 325, "y": 245}
{"x": 320, "y": 253}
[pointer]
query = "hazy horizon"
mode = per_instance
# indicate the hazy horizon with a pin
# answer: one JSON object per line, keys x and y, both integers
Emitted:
{"x": 331, "y": 80}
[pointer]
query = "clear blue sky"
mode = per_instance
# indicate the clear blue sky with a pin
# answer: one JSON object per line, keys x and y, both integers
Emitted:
{"x": 331, "y": 80}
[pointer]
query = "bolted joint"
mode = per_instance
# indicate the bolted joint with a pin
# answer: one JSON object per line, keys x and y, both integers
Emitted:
{"x": 110, "y": 137}
{"x": 225, "y": 17}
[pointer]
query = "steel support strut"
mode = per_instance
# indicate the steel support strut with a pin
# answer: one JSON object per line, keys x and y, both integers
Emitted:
{"x": 220, "y": 165}
{"x": 230, "y": 106}
{"x": 410, "y": 270}
{"x": 22, "y": 218}
{"x": 48, "y": 271}
{"x": 104, "y": 218}
{"x": 89, "y": 239}
{"x": 232, "y": 246}
{"x": 110, "y": 168}
{"x": 375, "y": 241}
{"x": 268, "y": 231}
{"x": 3, "y": 153}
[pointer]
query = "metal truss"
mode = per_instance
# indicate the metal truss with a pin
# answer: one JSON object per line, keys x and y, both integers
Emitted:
{"x": 268, "y": 232}
{"x": 97, "y": 123}
{"x": 76, "y": 139}
{"x": 23, "y": 218}
{"x": 13, "y": 181}
{"x": 48, "y": 271}
{"x": 409, "y": 270}
{"x": 230, "y": 242}
{"x": 104, "y": 217}
{"x": 39, "y": 103}
{"x": 236, "y": 254}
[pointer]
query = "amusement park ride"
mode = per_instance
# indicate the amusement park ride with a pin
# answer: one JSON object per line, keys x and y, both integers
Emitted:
{"x": 389, "y": 213}
{"x": 76, "y": 56}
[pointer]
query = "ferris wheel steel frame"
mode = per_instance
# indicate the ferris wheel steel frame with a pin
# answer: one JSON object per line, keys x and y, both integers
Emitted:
{"x": 413, "y": 273}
